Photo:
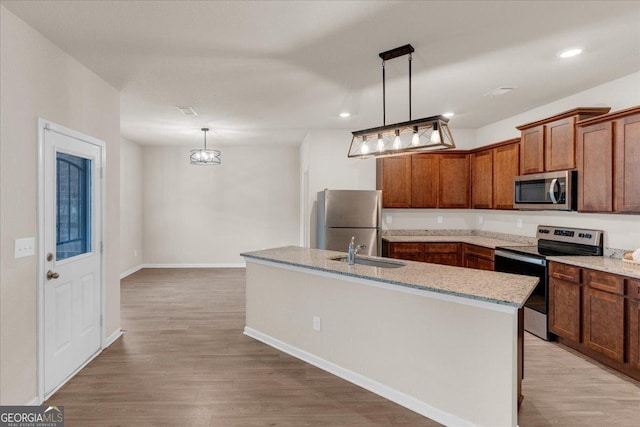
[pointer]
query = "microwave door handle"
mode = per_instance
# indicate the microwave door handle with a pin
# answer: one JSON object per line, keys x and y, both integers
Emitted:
{"x": 552, "y": 191}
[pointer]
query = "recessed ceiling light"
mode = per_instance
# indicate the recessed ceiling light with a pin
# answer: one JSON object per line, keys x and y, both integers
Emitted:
{"x": 448, "y": 114}
{"x": 345, "y": 114}
{"x": 570, "y": 52}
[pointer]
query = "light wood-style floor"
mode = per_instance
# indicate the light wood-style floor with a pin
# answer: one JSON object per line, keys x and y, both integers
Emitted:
{"x": 184, "y": 361}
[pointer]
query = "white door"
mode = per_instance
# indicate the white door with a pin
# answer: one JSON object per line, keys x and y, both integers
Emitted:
{"x": 72, "y": 251}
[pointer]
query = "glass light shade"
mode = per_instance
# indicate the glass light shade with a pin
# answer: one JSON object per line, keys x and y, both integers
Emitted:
{"x": 429, "y": 134}
{"x": 205, "y": 157}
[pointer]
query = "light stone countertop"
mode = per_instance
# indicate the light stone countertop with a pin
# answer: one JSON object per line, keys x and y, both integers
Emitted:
{"x": 498, "y": 288}
{"x": 487, "y": 242}
{"x": 609, "y": 265}
{"x": 602, "y": 263}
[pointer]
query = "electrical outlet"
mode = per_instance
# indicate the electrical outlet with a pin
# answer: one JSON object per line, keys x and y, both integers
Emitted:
{"x": 24, "y": 247}
{"x": 388, "y": 219}
{"x": 480, "y": 220}
{"x": 519, "y": 223}
{"x": 440, "y": 219}
{"x": 316, "y": 323}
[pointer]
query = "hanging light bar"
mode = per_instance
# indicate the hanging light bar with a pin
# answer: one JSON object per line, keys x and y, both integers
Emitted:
{"x": 202, "y": 156}
{"x": 427, "y": 134}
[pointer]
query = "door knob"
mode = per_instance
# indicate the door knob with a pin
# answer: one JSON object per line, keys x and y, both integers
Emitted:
{"x": 52, "y": 275}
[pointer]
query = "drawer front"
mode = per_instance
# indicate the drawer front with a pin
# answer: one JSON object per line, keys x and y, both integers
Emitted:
{"x": 406, "y": 248}
{"x": 604, "y": 281}
{"x": 479, "y": 251}
{"x": 633, "y": 288}
{"x": 441, "y": 248}
{"x": 446, "y": 259}
{"x": 568, "y": 273}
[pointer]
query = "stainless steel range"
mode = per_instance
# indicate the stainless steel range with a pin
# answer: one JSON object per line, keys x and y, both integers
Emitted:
{"x": 532, "y": 261}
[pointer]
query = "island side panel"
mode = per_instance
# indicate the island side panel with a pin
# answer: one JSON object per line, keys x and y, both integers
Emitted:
{"x": 459, "y": 360}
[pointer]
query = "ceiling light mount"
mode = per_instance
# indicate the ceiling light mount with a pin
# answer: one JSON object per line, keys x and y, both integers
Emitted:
{"x": 426, "y": 134}
{"x": 204, "y": 157}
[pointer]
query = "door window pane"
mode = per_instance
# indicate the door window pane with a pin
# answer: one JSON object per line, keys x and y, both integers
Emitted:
{"x": 73, "y": 202}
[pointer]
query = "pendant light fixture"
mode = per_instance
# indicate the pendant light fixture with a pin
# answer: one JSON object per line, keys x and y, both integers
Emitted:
{"x": 427, "y": 134}
{"x": 202, "y": 156}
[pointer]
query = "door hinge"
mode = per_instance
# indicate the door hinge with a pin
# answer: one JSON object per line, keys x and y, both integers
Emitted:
{"x": 101, "y": 320}
{"x": 101, "y": 173}
{"x": 101, "y": 247}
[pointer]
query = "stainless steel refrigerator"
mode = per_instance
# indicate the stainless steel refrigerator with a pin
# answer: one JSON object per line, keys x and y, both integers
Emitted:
{"x": 343, "y": 214}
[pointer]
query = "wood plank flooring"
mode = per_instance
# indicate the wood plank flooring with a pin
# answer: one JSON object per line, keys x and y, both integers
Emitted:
{"x": 184, "y": 361}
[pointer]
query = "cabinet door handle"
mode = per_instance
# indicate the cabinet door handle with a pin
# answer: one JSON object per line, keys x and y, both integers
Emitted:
{"x": 552, "y": 191}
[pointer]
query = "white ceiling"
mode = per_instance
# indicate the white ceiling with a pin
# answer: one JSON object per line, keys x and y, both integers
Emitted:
{"x": 267, "y": 72}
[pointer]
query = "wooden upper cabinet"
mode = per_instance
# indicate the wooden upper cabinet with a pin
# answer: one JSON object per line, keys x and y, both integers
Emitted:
{"x": 453, "y": 189}
{"x": 424, "y": 180}
{"x": 608, "y": 162}
{"x": 482, "y": 179}
{"x": 559, "y": 145}
{"x": 395, "y": 174}
{"x": 549, "y": 144}
{"x": 595, "y": 167}
{"x": 506, "y": 166}
{"x": 627, "y": 161}
{"x": 532, "y": 150}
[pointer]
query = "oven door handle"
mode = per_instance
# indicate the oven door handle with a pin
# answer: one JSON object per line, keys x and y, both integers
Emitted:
{"x": 523, "y": 258}
{"x": 552, "y": 191}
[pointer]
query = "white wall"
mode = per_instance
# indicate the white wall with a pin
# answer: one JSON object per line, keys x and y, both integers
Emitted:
{"x": 324, "y": 164}
{"x": 37, "y": 79}
{"x": 618, "y": 94}
{"x": 208, "y": 215}
{"x": 131, "y": 255}
{"x": 622, "y": 231}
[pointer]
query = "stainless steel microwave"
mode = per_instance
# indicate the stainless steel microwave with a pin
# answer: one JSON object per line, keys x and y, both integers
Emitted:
{"x": 546, "y": 191}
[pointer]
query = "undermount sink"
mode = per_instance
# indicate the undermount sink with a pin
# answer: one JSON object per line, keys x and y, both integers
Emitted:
{"x": 371, "y": 262}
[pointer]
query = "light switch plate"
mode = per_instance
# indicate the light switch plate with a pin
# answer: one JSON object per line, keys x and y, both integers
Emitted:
{"x": 25, "y": 247}
{"x": 519, "y": 223}
{"x": 440, "y": 219}
{"x": 388, "y": 219}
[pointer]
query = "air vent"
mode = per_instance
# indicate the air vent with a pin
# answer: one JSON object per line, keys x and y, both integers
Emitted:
{"x": 187, "y": 111}
{"x": 500, "y": 91}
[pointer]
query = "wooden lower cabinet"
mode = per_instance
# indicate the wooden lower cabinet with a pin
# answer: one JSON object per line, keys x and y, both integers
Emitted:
{"x": 406, "y": 251}
{"x": 442, "y": 253}
{"x": 435, "y": 253}
{"x": 598, "y": 314}
{"x": 565, "y": 308}
{"x": 603, "y": 321}
{"x": 478, "y": 257}
{"x": 634, "y": 334}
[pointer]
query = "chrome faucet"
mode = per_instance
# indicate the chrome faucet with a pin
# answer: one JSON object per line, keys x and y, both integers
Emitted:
{"x": 353, "y": 251}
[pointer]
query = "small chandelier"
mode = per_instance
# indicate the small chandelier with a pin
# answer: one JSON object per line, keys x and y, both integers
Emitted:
{"x": 427, "y": 134}
{"x": 204, "y": 156}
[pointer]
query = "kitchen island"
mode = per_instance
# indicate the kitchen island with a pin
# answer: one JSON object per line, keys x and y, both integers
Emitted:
{"x": 440, "y": 340}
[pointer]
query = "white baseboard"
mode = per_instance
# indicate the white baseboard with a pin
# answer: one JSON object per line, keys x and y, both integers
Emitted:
{"x": 203, "y": 265}
{"x": 373, "y": 386}
{"x": 131, "y": 271}
{"x": 33, "y": 402}
{"x": 112, "y": 338}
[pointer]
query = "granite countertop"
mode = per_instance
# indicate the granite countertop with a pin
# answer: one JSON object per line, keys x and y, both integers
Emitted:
{"x": 609, "y": 265}
{"x": 498, "y": 288}
{"x": 487, "y": 242}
